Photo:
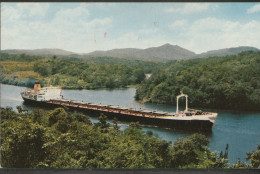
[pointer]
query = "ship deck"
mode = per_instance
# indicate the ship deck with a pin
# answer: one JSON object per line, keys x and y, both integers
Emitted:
{"x": 131, "y": 111}
{"x": 163, "y": 119}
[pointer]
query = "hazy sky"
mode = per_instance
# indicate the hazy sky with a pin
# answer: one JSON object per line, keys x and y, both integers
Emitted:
{"x": 86, "y": 27}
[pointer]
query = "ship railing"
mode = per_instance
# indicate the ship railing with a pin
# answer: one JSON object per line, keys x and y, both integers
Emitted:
{"x": 81, "y": 103}
{"x": 123, "y": 108}
{"x": 65, "y": 101}
{"x": 92, "y": 104}
{"x": 146, "y": 113}
{"x": 112, "y": 108}
{"x": 29, "y": 92}
{"x": 190, "y": 109}
{"x": 133, "y": 111}
{"x": 102, "y": 107}
{"x": 159, "y": 113}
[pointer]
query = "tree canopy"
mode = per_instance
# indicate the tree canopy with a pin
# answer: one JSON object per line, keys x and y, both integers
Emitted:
{"x": 230, "y": 82}
{"x": 62, "y": 139}
{"x": 66, "y": 72}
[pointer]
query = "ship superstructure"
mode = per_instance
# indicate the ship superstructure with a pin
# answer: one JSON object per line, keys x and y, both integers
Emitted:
{"x": 42, "y": 94}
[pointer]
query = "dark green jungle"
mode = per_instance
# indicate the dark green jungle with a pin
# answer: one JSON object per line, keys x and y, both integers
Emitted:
{"x": 62, "y": 139}
{"x": 230, "y": 82}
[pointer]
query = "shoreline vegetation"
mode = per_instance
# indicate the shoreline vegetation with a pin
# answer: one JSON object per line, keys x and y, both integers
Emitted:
{"x": 228, "y": 82}
{"x": 30, "y": 86}
{"x": 74, "y": 73}
{"x": 59, "y": 138}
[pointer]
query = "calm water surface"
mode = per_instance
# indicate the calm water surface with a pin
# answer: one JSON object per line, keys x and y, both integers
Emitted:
{"x": 241, "y": 130}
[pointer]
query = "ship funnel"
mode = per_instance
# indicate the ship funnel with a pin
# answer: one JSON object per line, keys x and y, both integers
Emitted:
{"x": 37, "y": 86}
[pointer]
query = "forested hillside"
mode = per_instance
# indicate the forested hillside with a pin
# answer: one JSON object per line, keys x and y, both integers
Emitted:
{"x": 24, "y": 70}
{"x": 39, "y": 52}
{"x": 147, "y": 66}
{"x": 226, "y": 52}
{"x": 165, "y": 52}
{"x": 230, "y": 82}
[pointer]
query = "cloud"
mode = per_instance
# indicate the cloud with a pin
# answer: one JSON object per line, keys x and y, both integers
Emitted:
{"x": 24, "y": 10}
{"x": 178, "y": 24}
{"x": 98, "y": 23}
{"x": 71, "y": 14}
{"x": 254, "y": 9}
{"x": 144, "y": 38}
{"x": 9, "y": 13}
{"x": 213, "y": 33}
{"x": 189, "y": 8}
{"x": 33, "y": 9}
{"x": 147, "y": 31}
{"x": 82, "y": 27}
{"x": 69, "y": 29}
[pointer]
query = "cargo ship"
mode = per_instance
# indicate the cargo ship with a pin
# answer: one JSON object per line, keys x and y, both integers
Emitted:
{"x": 189, "y": 119}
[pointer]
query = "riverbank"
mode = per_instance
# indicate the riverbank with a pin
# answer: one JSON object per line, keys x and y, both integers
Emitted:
{"x": 23, "y": 84}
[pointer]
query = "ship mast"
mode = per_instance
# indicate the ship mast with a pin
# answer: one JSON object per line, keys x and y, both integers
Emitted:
{"x": 182, "y": 95}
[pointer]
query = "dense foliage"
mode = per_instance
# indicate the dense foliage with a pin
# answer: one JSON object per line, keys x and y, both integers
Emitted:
{"x": 24, "y": 70}
{"x": 61, "y": 139}
{"x": 147, "y": 66}
{"x": 71, "y": 74}
{"x": 254, "y": 157}
{"x": 230, "y": 82}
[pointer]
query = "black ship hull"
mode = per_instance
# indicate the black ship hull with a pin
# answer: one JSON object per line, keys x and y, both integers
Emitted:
{"x": 34, "y": 102}
{"x": 200, "y": 125}
{"x": 187, "y": 125}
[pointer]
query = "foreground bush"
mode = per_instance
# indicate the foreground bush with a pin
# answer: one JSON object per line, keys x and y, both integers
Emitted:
{"x": 61, "y": 139}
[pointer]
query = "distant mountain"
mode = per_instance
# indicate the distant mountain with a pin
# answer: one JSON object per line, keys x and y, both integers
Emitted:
{"x": 164, "y": 52}
{"x": 118, "y": 53}
{"x": 226, "y": 51}
{"x": 40, "y": 52}
{"x": 167, "y": 52}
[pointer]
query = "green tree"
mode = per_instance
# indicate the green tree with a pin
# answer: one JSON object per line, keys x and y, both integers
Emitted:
{"x": 139, "y": 75}
{"x": 41, "y": 140}
{"x": 239, "y": 165}
{"x": 60, "y": 118}
{"x": 194, "y": 153}
{"x": 22, "y": 144}
{"x": 254, "y": 157}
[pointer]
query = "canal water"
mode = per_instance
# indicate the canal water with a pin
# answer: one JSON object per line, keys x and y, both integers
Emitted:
{"x": 241, "y": 130}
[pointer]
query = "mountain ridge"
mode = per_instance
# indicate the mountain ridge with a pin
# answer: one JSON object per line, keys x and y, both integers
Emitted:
{"x": 43, "y": 51}
{"x": 227, "y": 51}
{"x": 164, "y": 52}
